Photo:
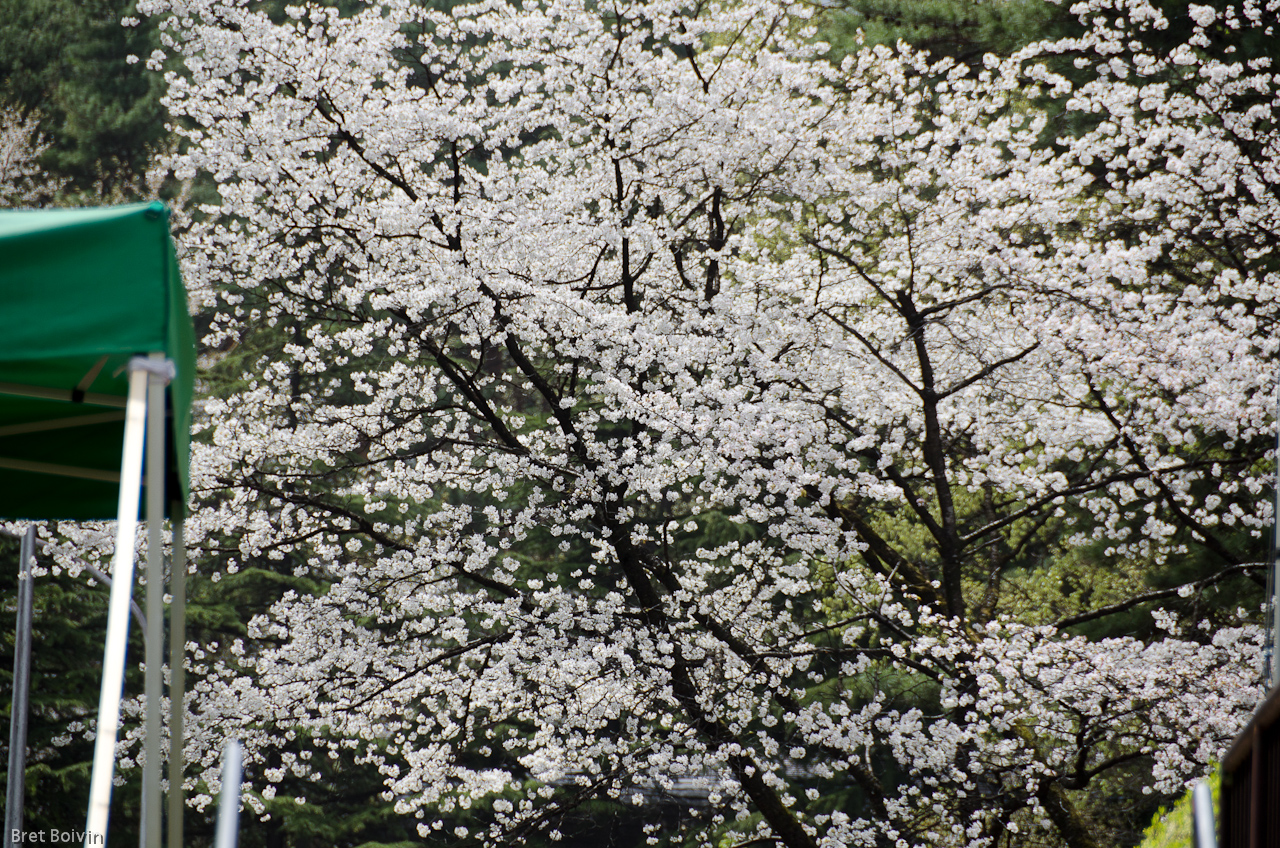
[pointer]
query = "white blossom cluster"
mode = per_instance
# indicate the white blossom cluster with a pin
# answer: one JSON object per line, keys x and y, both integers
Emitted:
{"x": 22, "y": 181}
{"x": 656, "y": 399}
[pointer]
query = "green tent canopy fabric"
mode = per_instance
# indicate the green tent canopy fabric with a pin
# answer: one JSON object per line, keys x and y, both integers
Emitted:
{"x": 82, "y": 291}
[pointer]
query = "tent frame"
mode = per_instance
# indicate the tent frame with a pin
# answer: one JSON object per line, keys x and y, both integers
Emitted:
{"x": 97, "y": 362}
{"x": 15, "y": 791}
{"x": 144, "y": 431}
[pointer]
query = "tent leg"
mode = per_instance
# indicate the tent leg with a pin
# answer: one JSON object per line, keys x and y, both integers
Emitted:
{"x": 226, "y": 831}
{"x": 177, "y": 678}
{"x": 113, "y": 658}
{"x": 154, "y": 681}
{"x": 16, "y": 789}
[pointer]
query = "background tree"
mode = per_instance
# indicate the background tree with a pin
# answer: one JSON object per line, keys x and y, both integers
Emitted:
{"x": 958, "y": 29}
{"x": 69, "y": 62}
{"x": 22, "y": 181}
{"x": 63, "y": 694}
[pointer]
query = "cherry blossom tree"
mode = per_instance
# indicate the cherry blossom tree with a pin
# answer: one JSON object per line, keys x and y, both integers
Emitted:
{"x": 22, "y": 181}
{"x": 657, "y": 401}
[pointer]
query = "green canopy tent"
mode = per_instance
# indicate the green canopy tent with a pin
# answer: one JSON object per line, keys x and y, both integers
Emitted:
{"x": 96, "y": 350}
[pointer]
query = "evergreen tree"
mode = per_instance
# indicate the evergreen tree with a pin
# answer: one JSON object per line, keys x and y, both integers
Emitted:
{"x": 963, "y": 30}
{"x": 70, "y": 61}
{"x": 68, "y": 624}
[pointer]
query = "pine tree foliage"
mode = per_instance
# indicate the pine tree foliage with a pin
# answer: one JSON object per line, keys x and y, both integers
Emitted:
{"x": 75, "y": 65}
{"x": 68, "y": 620}
{"x": 964, "y": 30}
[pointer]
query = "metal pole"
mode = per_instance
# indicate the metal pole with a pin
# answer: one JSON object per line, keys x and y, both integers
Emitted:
{"x": 1206, "y": 835}
{"x": 16, "y": 789}
{"x": 152, "y": 805}
{"x": 229, "y": 802}
{"x": 177, "y": 677}
{"x": 113, "y": 657}
{"x": 1273, "y": 577}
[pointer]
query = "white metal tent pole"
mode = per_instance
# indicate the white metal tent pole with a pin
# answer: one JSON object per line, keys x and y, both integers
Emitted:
{"x": 1273, "y": 574}
{"x": 177, "y": 677}
{"x": 1204, "y": 833}
{"x": 113, "y": 657}
{"x": 149, "y": 836}
{"x": 225, "y": 834}
{"x": 14, "y": 793}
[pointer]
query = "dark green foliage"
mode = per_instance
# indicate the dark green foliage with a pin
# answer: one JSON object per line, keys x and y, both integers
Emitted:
{"x": 68, "y": 627}
{"x": 344, "y": 810}
{"x": 68, "y": 61}
{"x": 964, "y": 30}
